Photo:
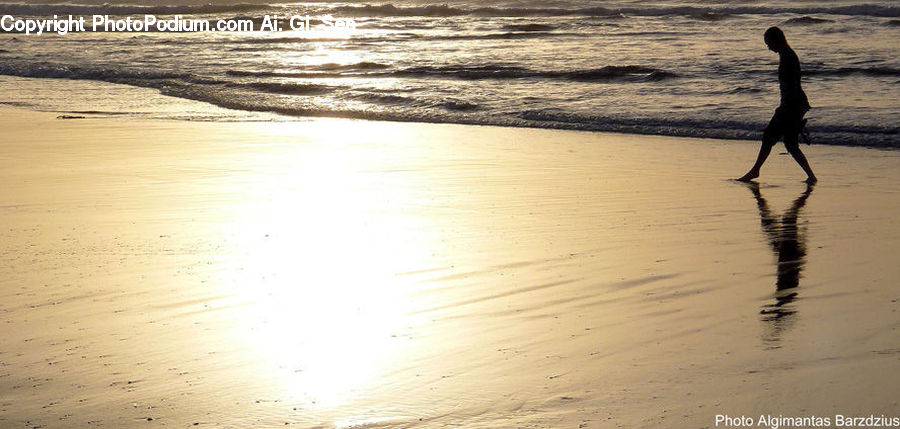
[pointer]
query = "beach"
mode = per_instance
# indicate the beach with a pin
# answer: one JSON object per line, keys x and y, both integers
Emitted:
{"x": 342, "y": 273}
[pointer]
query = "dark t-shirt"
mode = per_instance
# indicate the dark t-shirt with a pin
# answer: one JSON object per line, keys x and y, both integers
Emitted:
{"x": 792, "y": 96}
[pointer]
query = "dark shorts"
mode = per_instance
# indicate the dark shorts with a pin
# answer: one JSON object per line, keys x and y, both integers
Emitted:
{"x": 785, "y": 125}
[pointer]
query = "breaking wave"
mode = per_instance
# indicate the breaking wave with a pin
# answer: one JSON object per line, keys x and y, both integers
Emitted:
{"x": 807, "y": 20}
{"x": 607, "y": 73}
{"x": 845, "y": 71}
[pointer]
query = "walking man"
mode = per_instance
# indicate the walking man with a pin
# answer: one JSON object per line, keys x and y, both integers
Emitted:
{"x": 787, "y": 122}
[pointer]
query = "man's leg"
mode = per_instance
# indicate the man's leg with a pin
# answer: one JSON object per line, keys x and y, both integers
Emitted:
{"x": 793, "y": 148}
{"x": 764, "y": 150}
{"x": 771, "y": 135}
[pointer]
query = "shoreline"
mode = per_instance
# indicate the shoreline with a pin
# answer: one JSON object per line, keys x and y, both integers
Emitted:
{"x": 349, "y": 273}
{"x": 201, "y": 110}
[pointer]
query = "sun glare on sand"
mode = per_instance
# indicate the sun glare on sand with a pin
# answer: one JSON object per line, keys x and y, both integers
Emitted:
{"x": 317, "y": 256}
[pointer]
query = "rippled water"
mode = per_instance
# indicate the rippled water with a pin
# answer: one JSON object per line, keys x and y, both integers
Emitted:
{"x": 674, "y": 68}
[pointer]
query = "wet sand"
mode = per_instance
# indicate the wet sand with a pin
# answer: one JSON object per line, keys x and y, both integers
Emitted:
{"x": 336, "y": 273}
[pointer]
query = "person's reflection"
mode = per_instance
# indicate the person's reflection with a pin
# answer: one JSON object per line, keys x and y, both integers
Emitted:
{"x": 789, "y": 245}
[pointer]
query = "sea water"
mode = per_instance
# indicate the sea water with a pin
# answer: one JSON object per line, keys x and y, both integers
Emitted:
{"x": 683, "y": 68}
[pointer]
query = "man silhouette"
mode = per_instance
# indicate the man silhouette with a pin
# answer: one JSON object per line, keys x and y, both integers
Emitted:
{"x": 788, "y": 242}
{"x": 788, "y": 121}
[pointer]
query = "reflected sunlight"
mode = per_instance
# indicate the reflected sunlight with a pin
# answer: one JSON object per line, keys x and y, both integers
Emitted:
{"x": 317, "y": 253}
{"x": 325, "y": 55}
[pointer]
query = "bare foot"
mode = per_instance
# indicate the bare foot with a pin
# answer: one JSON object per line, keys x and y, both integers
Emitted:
{"x": 748, "y": 177}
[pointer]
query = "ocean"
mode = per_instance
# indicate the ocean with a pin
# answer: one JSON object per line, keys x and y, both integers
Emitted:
{"x": 680, "y": 68}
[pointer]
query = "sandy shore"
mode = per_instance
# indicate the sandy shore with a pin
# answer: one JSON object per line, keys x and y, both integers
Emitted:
{"x": 335, "y": 273}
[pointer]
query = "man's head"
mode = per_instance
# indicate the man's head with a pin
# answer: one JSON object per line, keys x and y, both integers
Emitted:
{"x": 775, "y": 40}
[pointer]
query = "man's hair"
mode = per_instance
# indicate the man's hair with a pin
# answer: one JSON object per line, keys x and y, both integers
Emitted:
{"x": 775, "y": 34}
